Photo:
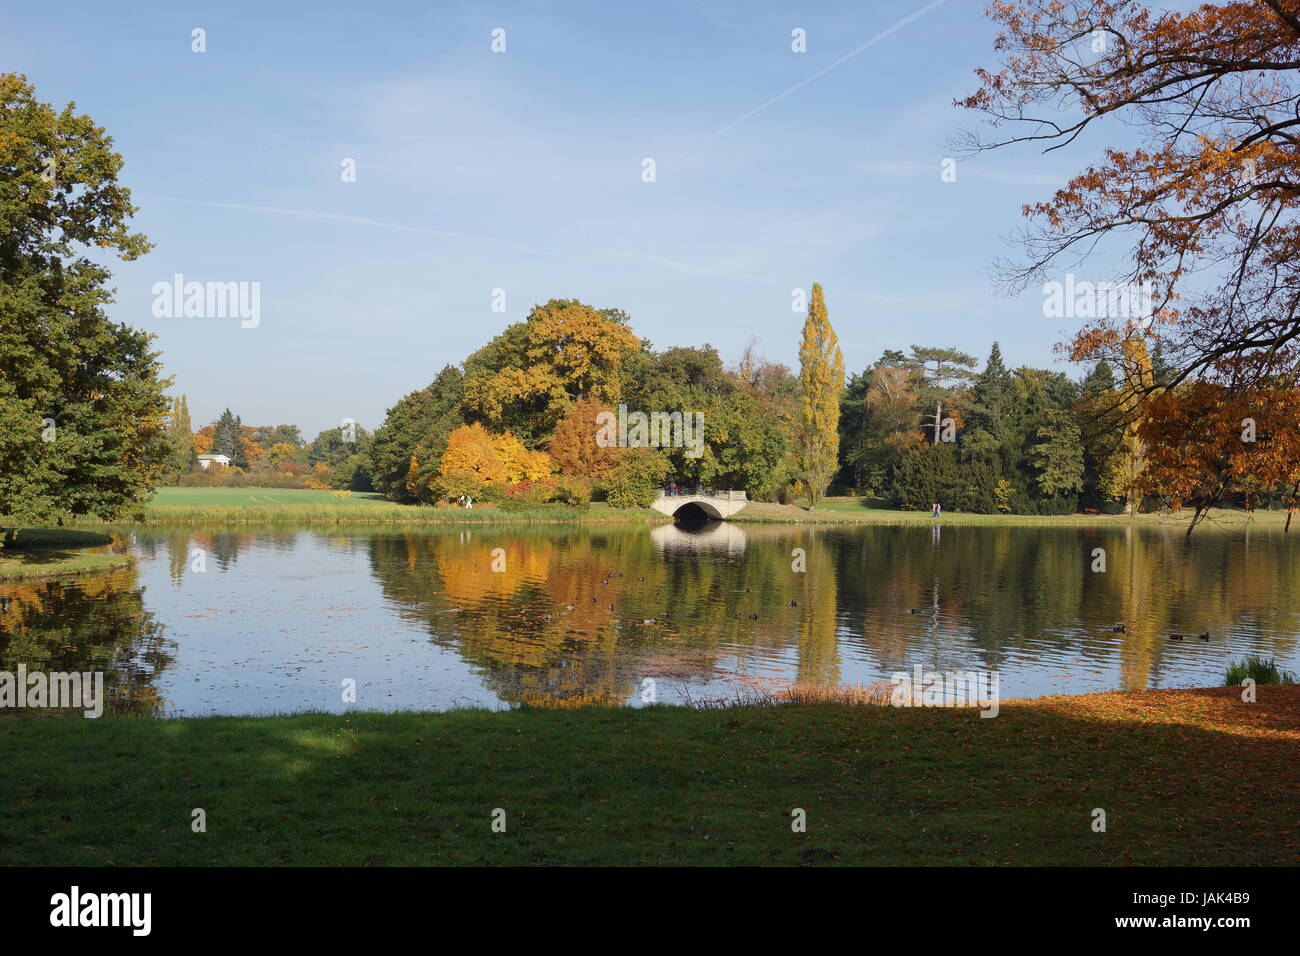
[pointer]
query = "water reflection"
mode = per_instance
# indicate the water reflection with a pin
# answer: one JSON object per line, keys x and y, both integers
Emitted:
{"x": 96, "y": 623}
{"x": 275, "y": 619}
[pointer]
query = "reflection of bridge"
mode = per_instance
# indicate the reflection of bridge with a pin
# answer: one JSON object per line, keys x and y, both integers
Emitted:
{"x": 715, "y": 504}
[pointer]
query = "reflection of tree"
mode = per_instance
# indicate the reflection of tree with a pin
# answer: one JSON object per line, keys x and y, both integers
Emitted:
{"x": 982, "y": 594}
{"x": 1014, "y": 589}
{"x": 590, "y": 652}
{"x": 819, "y": 657}
{"x": 97, "y": 622}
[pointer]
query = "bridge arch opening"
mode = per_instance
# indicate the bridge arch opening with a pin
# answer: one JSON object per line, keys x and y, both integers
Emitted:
{"x": 696, "y": 514}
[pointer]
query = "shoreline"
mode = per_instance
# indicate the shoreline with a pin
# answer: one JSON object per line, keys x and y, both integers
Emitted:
{"x": 58, "y": 552}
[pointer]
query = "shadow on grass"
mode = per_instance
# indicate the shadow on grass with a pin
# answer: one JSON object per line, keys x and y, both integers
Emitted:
{"x": 1195, "y": 780}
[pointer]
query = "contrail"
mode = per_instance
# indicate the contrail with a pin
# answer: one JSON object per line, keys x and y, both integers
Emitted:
{"x": 359, "y": 220}
{"x": 823, "y": 71}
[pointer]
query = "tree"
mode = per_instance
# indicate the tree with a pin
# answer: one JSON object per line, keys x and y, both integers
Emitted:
{"x": 525, "y": 379}
{"x": 1138, "y": 383}
{"x": 635, "y": 480}
{"x": 1058, "y": 456}
{"x": 994, "y": 411}
{"x": 949, "y": 365}
{"x": 269, "y": 435}
{"x": 491, "y": 458}
{"x": 333, "y": 448}
{"x": 179, "y": 438}
{"x": 1204, "y": 441}
{"x": 821, "y": 380}
{"x": 1208, "y": 193}
{"x": 573, "y": 446}
{"x": 82, "y": 403}
{"x": 415, "y": 431}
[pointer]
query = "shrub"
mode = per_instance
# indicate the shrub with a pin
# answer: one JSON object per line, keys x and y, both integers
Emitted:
{"x": 572, "y": 490}
{"x": 525, "y": 493}
{"x": 1257, "y": 669}
{"x": 635, "y": 481}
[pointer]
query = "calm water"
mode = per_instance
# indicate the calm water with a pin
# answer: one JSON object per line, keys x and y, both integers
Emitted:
{"x": 278, "y": 618}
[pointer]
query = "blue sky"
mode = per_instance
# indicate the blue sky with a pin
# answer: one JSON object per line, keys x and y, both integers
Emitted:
{"x": 522, "y": 171}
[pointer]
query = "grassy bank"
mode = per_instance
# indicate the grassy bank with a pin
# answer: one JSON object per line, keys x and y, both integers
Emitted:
{"x": 873, "y": 511}
{"x": 1185, "y": 777}
{"x": 294, "y": 506}
{"x": 53, "y": 552}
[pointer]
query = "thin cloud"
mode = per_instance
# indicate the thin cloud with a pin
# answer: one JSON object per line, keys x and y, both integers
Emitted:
{"x": 358, "y": 220}
{"x": 915, "y": 15}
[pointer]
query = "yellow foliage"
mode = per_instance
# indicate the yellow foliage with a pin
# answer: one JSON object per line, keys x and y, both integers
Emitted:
{"x": 489, "y": 457}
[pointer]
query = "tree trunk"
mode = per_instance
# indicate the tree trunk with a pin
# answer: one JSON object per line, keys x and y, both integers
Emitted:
{"x": 938, "y": 417}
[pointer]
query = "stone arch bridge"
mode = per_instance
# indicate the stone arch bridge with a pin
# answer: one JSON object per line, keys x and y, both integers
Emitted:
{"x": 715, "y": 504}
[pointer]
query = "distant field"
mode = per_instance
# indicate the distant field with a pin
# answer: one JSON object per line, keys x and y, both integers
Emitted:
{"x": 292, "y": 505}
{"x": 263, "y": 497}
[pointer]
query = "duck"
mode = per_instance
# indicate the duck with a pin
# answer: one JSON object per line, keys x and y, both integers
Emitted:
{"x": 650, "y": 620}
{"x": 610, "y": 606}
{"x": 753, "y": 617}
{"x": 1205, "y": 636}
{"x": 1119, "y": 628}
{"x": 570, "y": 607}
{"x": 640, "y": 579}
{"x": 912, "y": 610}
{"x": 794, "y": 603}
{"x": 1175, "y": 637}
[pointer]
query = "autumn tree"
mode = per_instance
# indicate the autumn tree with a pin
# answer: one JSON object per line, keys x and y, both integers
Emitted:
{"x": 82, "y": 403}
{"x": 527, "y": 377}
{"x": 573, "y": 446}
{"x": 1205, "y": 441}
{"x": 479, "y": 457}
{"x": 821, "y": 379}
{"x": 1206, "y": 197}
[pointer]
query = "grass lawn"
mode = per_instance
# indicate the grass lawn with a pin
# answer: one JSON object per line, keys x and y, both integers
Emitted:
{"x": 1185, "y": 777}
{"x": 52, "y": 552}
{"x": 857, "y": 510}
{"x": 291, "y": 505}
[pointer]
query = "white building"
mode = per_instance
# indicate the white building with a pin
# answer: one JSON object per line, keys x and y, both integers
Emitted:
{"x": 206, "y": 460}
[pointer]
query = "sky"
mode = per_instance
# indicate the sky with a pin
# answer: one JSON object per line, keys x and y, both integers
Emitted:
{"x": 522, "y": 171}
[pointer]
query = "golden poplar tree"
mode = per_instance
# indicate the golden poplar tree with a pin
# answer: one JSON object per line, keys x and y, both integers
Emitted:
{"x": 1122, "y": 478}
{"x": 821, "y": 380}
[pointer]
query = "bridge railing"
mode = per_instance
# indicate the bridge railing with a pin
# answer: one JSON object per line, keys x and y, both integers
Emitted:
{"x": 723, "y": 495}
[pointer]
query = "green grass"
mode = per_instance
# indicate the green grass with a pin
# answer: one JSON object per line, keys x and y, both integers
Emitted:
{"x": 300, "y": 506}
{"x": 53, "y": 552}
{"x": 859, "y": 510}
{"x": 1258, "y": 669}
{"x": 1185, "y": 777}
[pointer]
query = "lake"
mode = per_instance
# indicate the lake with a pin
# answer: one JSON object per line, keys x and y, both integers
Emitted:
{"x": 268, "y": 620}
